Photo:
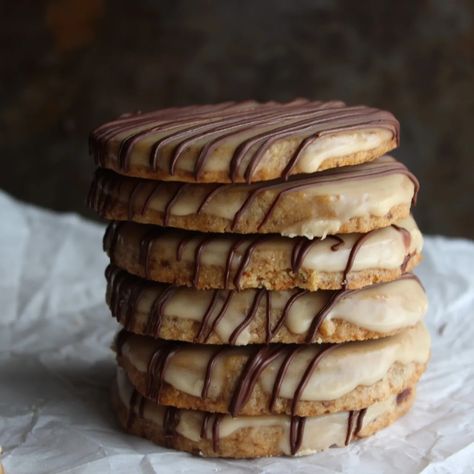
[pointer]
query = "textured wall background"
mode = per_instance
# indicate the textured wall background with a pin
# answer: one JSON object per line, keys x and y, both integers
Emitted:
{"x": 68, "y": 65}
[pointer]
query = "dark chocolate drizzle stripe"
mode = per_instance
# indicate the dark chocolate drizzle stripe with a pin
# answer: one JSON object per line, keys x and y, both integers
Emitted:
{"x": 352, "y": 256}
{"x": 146, "y": 244}
{"x": 248, "y": 318}
{"x": 123, "y": 289}
{"x": 105, "y": 189}
{"x": 218, "y": 318}
{"x": 157, "y": 366}
{"x": 119, "y": 341}
{"x": 197, "y": 257}
{"x": 224, "y": 129}
{"x": 268, "y": 311}
{"x": 286, "y": 309}
{"x": 307, "y": 374}
{"x": 208, "y": 376}
{"x": 171, "y": 418}
{"x": 206, "y": 317}
{"x": 154, "y": 121}
{"x": 184, "y": 127}
{"x": 216, "y": 419}
{"x": 136, "y": 406}
{"x": 161, "y": 119}
{"x": 297, "y": 425}
{"x": 169, "y": 424}
{"x": 407, "y": 242}
{"x": 355, "y": 420}
{"x": 153, "y": 325}
{"x": 301, "y": 247}
{"x": 255, "y": 365}
{"x": 291, "y": 353}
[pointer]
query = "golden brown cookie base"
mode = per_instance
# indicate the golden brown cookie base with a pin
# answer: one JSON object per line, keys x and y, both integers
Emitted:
{"x": 260, "y": 273}
{"x": 245, "y": 442}
{"x": 334, "y": 331}
{"x": 120, "y": 198}
{"x": 263, "y": 173}
{"x": 398, "y": 377}
{"x": 140, "y": 306}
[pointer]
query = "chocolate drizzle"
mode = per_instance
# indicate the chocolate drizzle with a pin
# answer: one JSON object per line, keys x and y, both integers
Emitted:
{"x": 406, "y": 236}
{"x": 210, "y": 423}
{"x": 136, "y": 407}
{"x": 170, "y": 423}
{"x": 255, "y": 365}
{"x": 213, "y": 419}
{"x": 354, "y": 424}
{"x": 301, "y": 247}
{"x": 352, "y": 256}
{"x": 297, "y": 425}
{"x": 173, "y": 132}
{"x": 250, "y": 315}
{"x": 210, "y": 365}
{"x": 146, "y": 244}
{"x": 125, "y": 292}
{"x": 157, "y": 366}
{"x": 323, "y": 312}
{"x": 299, "y": 251}
{"x": 110, "y": 239}
{"x": 153, "y": 325}
{"x": 105, "y": 192}
{"x": 262, "y": 357}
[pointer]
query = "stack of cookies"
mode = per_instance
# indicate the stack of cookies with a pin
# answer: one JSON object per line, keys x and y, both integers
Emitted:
{"x": 260, "y": 258}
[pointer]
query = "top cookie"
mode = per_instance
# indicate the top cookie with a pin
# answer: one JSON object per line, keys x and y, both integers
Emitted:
{"x": 243, "y": 142}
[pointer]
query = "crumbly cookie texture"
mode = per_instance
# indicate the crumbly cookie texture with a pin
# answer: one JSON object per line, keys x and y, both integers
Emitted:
{"x": 215, "y": 435}
{"x": 306, "y": 380}
{"x": 243, "y": 142}
{"x": 273, "y": 262}
{"x": 349, "y": 199}
{"x": 262, "y": 316}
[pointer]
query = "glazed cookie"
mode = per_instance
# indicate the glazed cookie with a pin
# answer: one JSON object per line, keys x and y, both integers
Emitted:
{"x": 243, "y": 142}
{"x": 217, "y": 435}
{"x": 303, "y": 380}
{"x": 253, "y": 261}
{"x": 348, "y": 199}
{"x": 262, "y": 316}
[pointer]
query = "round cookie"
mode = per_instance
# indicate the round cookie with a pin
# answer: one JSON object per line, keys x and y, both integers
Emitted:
{"x": 243, "y": 142}
{"x": 217, "y": 435}
{"x": 261, "y": 316}
{"x": 303, "y": 380}
{"x": 349, "y": 199}
{"x": 273, "y": 262}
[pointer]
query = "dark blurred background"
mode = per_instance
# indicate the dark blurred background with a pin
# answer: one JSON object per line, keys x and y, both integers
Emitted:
{"x": 68, "y": 65}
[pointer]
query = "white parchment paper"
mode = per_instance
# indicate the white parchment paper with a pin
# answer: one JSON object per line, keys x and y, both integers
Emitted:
{"x": 56, "y": 366}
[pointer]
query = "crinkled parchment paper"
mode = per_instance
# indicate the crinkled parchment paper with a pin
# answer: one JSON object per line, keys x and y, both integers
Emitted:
{"x": 56, "y": 366}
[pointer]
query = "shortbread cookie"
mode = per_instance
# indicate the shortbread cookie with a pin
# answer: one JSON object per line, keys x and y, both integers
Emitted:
{"x": 277, "y": 263}
{"x": 349, "y": 199}
{"x": 262, "y": 316}
{"x": 217, "y": 435}
{"x": 243, "y": 142}
{"x": 304, "y": 380}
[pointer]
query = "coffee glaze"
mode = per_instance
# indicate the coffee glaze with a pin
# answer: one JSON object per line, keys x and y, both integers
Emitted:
{"x": 234, "y": 254}
{"x": 199, "y": 425}
{"x": 245, "y": 141}
{"x": 227, "y": 314}
{"x": 335, "y": 197}
{"x": 286, "y": 375}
